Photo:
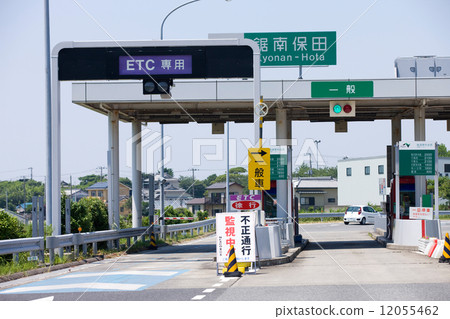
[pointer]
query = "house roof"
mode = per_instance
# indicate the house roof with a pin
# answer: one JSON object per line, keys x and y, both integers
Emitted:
{"x": 222, "y": 185}
{"x": 74, "y": 192}
{"x": 316, "y": 182}
{"x": 102, "y": 185}
{"x": 196, "y": 201}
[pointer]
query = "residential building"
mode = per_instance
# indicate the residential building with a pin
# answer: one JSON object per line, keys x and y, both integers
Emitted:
{"x": 316, "y": 192}
{"x": 359, "y": 180}
{"x": 173, "y": 195}
{"x": 100, "y": 190}
{"x": 444, "y": 166}
{"x": 196, "y": 204}
{"x": 75, "y": 194}
{"x": 216, "y": 200}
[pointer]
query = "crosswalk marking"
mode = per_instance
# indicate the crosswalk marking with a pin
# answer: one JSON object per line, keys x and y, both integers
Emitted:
{"x": 121, "y": 273}
{"x": 199, "y": 297}
{"x": 87, "y": 285}
{"x": 121, "y": 280}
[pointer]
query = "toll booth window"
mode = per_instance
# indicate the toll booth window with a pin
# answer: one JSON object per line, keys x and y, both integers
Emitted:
{"x": 380, "y": 169}
{"x": 367, "y": 170}
{"x": 349, "y": 171}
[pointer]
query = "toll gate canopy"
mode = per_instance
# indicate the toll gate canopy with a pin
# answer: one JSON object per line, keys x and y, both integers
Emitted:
{"x": 232, "y": 100}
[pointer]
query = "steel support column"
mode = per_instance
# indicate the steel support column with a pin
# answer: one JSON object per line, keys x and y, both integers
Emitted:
{"x": 282, "y": 185}
{"x": 419, "y": 135}
{"x": 113, "y": 170}
{"x": 396, "y": 136}
{"x": 55, "y": 187}
{"x": 136, "y": 178}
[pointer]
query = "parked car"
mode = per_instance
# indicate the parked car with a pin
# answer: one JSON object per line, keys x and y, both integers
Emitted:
{"x": 360, "y": 214}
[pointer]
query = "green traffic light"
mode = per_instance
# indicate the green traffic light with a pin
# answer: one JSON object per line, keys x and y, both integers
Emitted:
{"x": 337, "y": 109}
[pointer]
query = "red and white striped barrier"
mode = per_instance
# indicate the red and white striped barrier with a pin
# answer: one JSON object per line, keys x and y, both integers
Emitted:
{"x": 434, "y": 248}
{"x": 178, "y": 218}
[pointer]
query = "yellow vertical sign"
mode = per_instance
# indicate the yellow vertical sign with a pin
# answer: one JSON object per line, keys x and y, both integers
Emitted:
{"x": 258, "y": 168}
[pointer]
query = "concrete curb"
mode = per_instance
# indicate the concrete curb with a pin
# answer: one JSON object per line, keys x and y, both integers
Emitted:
{"x": 43, "y": 270}
{"x": 387, "y": 243}
{"x": 291, "y": 254}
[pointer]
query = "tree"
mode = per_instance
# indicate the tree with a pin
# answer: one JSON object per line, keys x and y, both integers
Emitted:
{"x": 444, "y": 187}
{"x": 10, "y": 227}
{"x": 186, "y": 183}
{"x": 88, "y": 180}
{"x": 167, "y": 171}
{"x": 442, "y": 151}
{"x": 15, "y": 192}
{"x": 236, "y": 175}
{"x": 303, "y": 171}
{"x": 210, "y": 180}
{"x": 125, "y": 181}
{"x": 90, "y": 213}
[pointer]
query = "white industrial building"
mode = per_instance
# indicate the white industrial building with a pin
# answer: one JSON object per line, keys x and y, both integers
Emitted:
{"x": 359, "y": 180}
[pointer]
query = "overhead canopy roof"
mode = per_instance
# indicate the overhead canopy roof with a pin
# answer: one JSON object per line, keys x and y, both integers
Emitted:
{"x": 221, "y": 101}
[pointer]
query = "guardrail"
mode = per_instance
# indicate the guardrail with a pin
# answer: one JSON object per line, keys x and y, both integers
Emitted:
{"x": 323, "y": 215}
{"x": 15, "y": 246}
{"x": 320, "y": 215}
{"x": 173, "y": 230}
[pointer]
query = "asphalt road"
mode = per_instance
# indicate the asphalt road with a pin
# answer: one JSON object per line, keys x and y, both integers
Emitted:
{"x": 341, "y": 263}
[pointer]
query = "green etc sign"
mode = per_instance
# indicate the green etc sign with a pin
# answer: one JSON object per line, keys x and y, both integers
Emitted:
{"x": 280, "y": 49}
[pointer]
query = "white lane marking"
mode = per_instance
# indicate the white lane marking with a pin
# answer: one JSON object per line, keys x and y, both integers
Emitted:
{"x": 199, "y": 297}
{"x": 115, "y": 273}
{"x": 85, "y": 285}
{"x": 45, "y": 299}
{"x": 223, "y": 279}
{"x": 209, "y": 290}
{"x": 218, "y": 285}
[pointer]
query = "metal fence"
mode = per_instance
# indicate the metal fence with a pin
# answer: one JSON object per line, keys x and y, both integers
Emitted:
{"x": 112, "y": 237}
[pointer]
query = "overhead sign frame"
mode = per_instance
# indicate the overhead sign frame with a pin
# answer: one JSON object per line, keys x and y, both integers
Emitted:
{"x": 53, "y": 185}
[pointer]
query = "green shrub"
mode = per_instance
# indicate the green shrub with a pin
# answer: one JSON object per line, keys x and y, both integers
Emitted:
{"x": 10, "y": 227}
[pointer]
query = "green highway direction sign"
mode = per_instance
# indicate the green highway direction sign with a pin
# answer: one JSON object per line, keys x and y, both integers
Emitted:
{"x": 341, "y": 89}
{"x": 417, "y": 158}
{"x": 279, "y": 49}
{"x": 278, "y": 162}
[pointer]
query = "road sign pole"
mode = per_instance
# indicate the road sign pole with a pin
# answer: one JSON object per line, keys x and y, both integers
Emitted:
{"x": 256, "y": 116}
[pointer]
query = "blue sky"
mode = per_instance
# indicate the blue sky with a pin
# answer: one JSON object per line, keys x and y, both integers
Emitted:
{"x": 369, "y": 42}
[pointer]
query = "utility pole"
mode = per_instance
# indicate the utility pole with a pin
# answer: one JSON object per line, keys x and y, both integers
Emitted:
{"x": 24, "y": 195}
{"x": 317, "y": 151}
{"x": 310, "y": 164}
{"x": 101, "y": 172}
{"x": 193, "y": 181}
{"x": 31, "y": 173}
{"x": 7, "y": 200}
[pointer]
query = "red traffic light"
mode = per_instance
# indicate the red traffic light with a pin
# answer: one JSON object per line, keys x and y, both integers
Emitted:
{"x": 347, "y": 108}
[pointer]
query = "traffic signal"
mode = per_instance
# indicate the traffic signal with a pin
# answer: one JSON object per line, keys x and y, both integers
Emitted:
{"x": 156, "y": 86}
{"x": 342, "y": 108}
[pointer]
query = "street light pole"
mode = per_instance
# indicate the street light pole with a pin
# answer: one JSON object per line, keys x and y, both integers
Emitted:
{"x": 162, "y": 125}
{"x": 180, "y": 6}
{"x": 161, "y": 195}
